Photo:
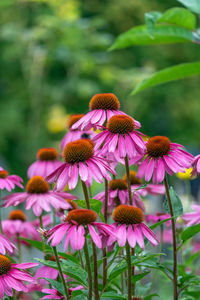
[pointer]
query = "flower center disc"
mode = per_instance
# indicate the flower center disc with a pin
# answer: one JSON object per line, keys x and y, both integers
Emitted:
{"x": 118, "y": 184}
{"x": 126, "y": 214}
{"x": 5, "y": 265}
{"x": 158, "y": 146}
{"x": 120, "y": 124}
{"x": 73, "y": 119}
{"x": 47, "y": 154}
{"x": 104, "y": 101}
{"x": 3, "y": 174}
{"x": 37, "y": 185}
{"x": 82, "y": 216}
{"x": 17, "y": 215}
{"x": 133, "y": 178}
{"x": 78, "y": 151}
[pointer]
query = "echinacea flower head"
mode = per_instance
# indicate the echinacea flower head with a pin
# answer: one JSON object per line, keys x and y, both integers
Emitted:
{"x": 75, "y": 134}
{"x": 196, "y": 163}
{"x": 102, "y": 108}
{"x": 39, "y": 197}
{"x": 192, "y": 218}
{"x": 80, "y": 160}
{"x": 129, "y": 227}
{"x": 47, "y": 161}
{"x": 13, "y": 275}
{"x": 121, "y": 139}
{"x": 17, "y": 225}
{"x": 77, "y": 223}
{"x": 9, "y": 182}
{"x": 163, "y": 156}
{"x": 6, "y": 245}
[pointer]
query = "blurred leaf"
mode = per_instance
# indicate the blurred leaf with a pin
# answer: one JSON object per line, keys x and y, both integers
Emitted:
{"x": 37, "y": 244}
{"x": 149, "y": 297}
{"x": 151, "y": 19}
{"x": 192, "y": 258}
{"x": 179, "y": 16}
{"x": 193, "y": 5}
{"x": 189, "y": 232}
{"x": 108, "y": 295}
{"x": 169, "y": 74}
{"x": 57, "y": 285}
{"x": 176, "y": 203}
{"x": 159, "y": 223}
{"x": 79, "y": 295}
{"x": 162, "y": 34}
{"x": 139, "y": 276}
{"x": 95, "y": 205}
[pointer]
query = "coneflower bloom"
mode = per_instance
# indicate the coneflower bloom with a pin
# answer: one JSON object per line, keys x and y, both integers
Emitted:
{"x": 39, "y": 197}
{"x": 121, "y": 138}
{"x": 163, "y": 156}
{"x": 12, "y": 275}
{"x": 75, "y": 134}
{"x": 77, "y": 223}
{"x": 192, "y": 218}
{"x": 118, "y": 194}
{"x": 157, "y": 218}
{"x": 129, "y": 227}
{"x": 136, "y": 183}
{"x": 6, "y": 245}
{"x": 102, "y": 108}
{"x": 47, "y": 161}
{"x": 80, "y": 161}
{"x": 55, "y": 294}
{"x": 9, "y": 182}
{"x": 196, "y": 168}
{"x": 17, "y": 225}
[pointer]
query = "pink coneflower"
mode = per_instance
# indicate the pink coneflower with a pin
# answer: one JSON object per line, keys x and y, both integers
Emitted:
{"x": 55, "y": 294}
{"x": 12, "y": 275}
{"x": 163, "y": 156}
{"x": 129, "y": 227}
{"x": 102, "y": 108}
{"x": 6, "y": 245}
{"x": 39, "y": 197}
{"x": 192, "y": 218}
{"x": 75, "y": 134}
{"x": 80, "y": 161}
{"x": 196, "y": 168}
{"x": 9, "y": 182}
{"x": 47, "y": 162}
{"x": 78, "y": 222}
{"x": 17, "y": 225}
{"x": 121, "y": 139}
{"x": 118, "y": 194}
{"x": 157, "y": 218}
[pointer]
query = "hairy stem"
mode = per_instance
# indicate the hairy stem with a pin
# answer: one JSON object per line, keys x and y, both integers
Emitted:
{"x": 89, "y": 270}
{"x": 85, "y": 191}
{"x": 174, "y": 238}
{"x": 128, "y": 260}
{"x": 128, "y": 180}
{"x": 96, "y": 289}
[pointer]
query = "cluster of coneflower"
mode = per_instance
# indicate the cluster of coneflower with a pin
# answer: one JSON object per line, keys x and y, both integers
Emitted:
{"x": 92, "y": 148}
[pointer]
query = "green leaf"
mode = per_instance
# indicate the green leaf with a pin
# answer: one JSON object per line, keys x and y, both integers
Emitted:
{"x": 57, "y": 285}
{"x": 176, "y": 203}
{"x": 189, "y": 232}
{"x": 193, "y": 5}
{"x": 159, "y": 223}
{"x": 162, "y": 34}
{"x": 139, "y": 276}
{"x": 37, "y": 244}
{"x": 95, "y": 205}
{"x": 169, "y": 74}
{"x": 151, "y": 19}
{"x": 179, "y": 16}
{"x": 114, "y": 296}
{"x": 149, "y": 297}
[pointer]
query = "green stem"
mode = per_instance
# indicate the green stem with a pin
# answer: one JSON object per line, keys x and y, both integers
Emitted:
{"x": 19, "y": 249}
{"x": 96, "y": 289}
{"x": 174, "y": 238}
{"x": 106, "y": 220}
{"x": 81, "y": 259}
{"x": 161, "y": 238}
{"x": 61, "y": 273}
{"x": 42, "y": 227}
{"x": 128, "y": 180}
{"x": 85, "y": 191}
{"x": 128, "y": 260}
{"x": 89, "y": 270}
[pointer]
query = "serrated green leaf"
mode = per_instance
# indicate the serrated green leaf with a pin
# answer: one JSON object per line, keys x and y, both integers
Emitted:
{"x": 95, "y": 205}
{"x": 176, "y": 203}
{"x": 57, "y": 285}
{"x": 180, "y": 71}
{"x": 189, "y": 232}
{"x": 179, "y": 16}
{"x": 193, "y": 5}
{"x": 162, "y": 34}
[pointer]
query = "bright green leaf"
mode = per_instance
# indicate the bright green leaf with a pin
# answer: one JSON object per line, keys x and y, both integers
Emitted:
{"x": 162, "y": 34}
{"x": 193, "y": 5}
{"x": 169, "y": 74}
{"x": 151, "y": 19}
{"x": 95, "y": 205}
{"x": 189, "y": 232}
{"x": 176, "y": 203}
{"x": 179, "y": 16}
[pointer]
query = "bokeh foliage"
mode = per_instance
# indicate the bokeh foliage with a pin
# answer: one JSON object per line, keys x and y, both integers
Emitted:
{"x": 54, "y": 57}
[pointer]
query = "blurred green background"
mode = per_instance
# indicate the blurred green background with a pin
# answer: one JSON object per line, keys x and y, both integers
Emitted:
{"x": 54, "y": 58}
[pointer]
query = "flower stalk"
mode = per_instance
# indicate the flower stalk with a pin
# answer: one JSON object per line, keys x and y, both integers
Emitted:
{"x": 89, "y": 270}
{"x": 128, "y": 260}
{"x": 106, "y": 220}
{"x": 85, "y": 191}
{"x": 128, "y": 180}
